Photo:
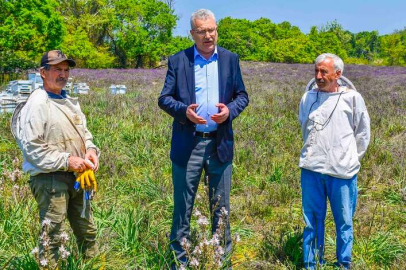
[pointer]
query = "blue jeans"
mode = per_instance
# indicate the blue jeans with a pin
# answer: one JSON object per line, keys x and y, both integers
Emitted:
{"x": 342, "y": 194}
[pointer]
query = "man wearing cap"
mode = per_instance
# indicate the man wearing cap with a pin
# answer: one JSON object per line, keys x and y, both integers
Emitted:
{"x": 55, "y": 142}
{"x": 203, "y": 92}
{"x": 336, "y": 133}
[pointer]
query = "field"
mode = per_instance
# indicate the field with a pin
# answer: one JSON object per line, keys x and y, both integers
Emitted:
{"x": 134, "y": 205}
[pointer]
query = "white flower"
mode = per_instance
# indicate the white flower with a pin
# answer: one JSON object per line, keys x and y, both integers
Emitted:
{"x": 237, "y": 238}
{"x": 197, "y": 250}
{"x": 43, "y": 235}
{"x": 64, "y": 237}
{"x": 182, "y": 267}
{"x": 219, "y": 250}
{"x": 35, "y": 251}
{"x": 197, "y": 213}
{"x": 45, "y": 243}
{"x": 202, "y": 221}
{"x": 46, "y": 222}
{"x": 223, "y": 211}
{"x": 194, "y": 262}
{"x": 16, "y": 187}
{"x": 215, "y": 240}
{"x": 43, "y": 262}
{"x": 185, "y": 243}
{"x": 220, "y": 222}
{"x": 205, "y": 242}
{"x": 64, "y": 253}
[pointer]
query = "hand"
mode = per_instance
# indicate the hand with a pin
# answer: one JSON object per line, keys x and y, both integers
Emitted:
{"x": 192, "y": 116}
{"x": 92, "y": 156}
{"x": 77, "y": 164}
{"x": 222, "y": 115}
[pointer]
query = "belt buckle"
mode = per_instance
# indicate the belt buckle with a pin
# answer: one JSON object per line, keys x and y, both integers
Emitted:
{"x": 206, "y": 134}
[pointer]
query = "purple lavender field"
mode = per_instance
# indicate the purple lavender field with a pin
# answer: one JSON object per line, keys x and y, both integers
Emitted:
{"x": 134, "y": 205}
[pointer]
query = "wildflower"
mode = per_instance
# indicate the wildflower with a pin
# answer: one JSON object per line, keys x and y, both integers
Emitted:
{"x": 202, "y": 221}
{"x": 215, "y": 240}
{"x": 219, "y": 251}
{"x": 197, "y": 250}
{"x": 17, "y": 174}
{"x": 16, "y": 187}
{"x": 223, "y": 211}
{"x": 45, "y": 243}
{"x": 35, "y": 251}
{"x": 64, "y": 237}
{"x": 64, "y": 253}
{"x": 197, "y": 213}
{"x": 185, "y": 244}
{"x": 43, "y": 262}
{"x": 194, "y": 262}
{"x": 237, "y": 238}
{"x": 220, "y": 222}
{"x": 46, "y": 222}
{"x": 43, "y": 235}
{"x": 182, "y": 267}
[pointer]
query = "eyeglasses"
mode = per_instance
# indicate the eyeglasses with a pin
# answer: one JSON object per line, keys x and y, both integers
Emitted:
{"x": 203, "y": 32}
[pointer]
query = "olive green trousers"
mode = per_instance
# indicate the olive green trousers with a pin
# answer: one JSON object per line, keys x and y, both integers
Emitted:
{"x": 58, "y": 200}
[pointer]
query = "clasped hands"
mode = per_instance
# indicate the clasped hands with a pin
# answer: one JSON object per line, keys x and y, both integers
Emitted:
{"x": 218, "y": 117}
{"x": 85, "y": 169}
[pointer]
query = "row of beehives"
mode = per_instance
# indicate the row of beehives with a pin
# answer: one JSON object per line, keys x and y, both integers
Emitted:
{"x": 18, "y": 91}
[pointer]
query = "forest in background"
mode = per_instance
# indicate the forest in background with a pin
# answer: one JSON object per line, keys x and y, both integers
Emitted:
{"x": 139, "y": 34}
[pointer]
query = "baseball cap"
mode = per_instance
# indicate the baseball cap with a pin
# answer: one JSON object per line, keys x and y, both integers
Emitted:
{"x": 55, "y": 57}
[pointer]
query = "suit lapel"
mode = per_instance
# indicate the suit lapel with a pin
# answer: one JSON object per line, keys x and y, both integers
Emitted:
{"x": 222, "y": 72}
{"x": 190, "y": 73}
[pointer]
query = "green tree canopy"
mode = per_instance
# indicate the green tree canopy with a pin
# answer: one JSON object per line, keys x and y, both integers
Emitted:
{"x": 28, "y": 28}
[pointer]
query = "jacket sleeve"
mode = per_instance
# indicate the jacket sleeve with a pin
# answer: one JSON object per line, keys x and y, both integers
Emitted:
{"x": 362, "y": 128}
{"x": 34, "y": 146}
{"x": 240, "y": 95}
{"x": 167, "y": 101}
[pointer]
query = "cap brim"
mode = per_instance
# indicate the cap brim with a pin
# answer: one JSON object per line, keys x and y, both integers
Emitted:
{"x": 57, "y": 61}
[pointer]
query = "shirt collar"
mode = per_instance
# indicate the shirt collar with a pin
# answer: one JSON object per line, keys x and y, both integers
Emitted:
{"x": 55, "y": 96}
{"x": 212, "y": 57}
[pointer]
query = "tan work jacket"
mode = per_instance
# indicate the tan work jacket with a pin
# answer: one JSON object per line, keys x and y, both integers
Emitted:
{"x": 50, "y": 131}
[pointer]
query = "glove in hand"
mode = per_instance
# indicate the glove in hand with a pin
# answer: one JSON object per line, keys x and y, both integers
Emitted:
{"x": 86, "y": 180}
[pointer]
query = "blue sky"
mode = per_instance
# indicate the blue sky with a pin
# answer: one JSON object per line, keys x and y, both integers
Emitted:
{"x": 355, "y": 16}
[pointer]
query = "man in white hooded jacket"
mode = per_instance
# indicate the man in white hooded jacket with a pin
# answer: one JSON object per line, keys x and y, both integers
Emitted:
{"x": 336, "y": 133}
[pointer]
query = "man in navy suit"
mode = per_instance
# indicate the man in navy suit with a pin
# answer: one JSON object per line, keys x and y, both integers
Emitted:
{"x": 203, "y": 92}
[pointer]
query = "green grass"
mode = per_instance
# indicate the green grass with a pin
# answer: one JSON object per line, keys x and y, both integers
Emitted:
{"x": 133, "y": 207}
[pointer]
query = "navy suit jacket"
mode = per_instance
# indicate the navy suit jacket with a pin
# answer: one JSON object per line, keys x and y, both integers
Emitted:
{"x": 179, "y": 92}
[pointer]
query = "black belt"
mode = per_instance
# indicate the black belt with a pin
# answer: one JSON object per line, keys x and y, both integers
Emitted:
{"x": 212, "y": 134}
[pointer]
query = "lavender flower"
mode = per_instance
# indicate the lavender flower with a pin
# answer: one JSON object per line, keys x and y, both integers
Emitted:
{"x": 202, "y": 221}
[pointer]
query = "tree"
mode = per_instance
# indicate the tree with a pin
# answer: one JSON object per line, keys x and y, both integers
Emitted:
{"x": 28, "y": 28}
{"x": 394, "y": 49}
